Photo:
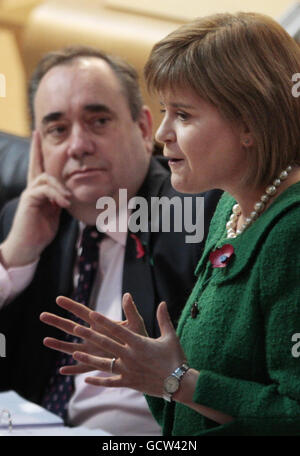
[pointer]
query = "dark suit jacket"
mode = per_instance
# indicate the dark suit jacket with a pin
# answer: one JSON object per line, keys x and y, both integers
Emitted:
{"x": 166, "y": 272}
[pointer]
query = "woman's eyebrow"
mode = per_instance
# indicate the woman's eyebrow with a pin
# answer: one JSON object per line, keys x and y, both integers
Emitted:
{"x": 179, "y": 104}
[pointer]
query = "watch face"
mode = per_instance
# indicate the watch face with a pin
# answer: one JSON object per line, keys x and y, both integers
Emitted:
{"x": 171, "y": 384}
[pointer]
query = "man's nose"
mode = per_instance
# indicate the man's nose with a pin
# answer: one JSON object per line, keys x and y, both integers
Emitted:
{"x": 80, "y": 142}
{"x": 165, "y": 133}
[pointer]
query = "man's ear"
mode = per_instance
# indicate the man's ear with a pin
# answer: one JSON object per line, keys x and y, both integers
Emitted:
{"x": 145, "y": 123}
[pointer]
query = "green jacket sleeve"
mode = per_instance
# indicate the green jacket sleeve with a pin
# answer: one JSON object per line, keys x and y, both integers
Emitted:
{"x": 272, "y": 408}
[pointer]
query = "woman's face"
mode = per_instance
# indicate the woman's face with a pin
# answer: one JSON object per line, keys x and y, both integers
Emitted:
{"x": 204, "y": 149}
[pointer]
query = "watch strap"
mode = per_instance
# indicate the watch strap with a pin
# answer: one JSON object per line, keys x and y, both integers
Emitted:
{"x": 178, "y": 373}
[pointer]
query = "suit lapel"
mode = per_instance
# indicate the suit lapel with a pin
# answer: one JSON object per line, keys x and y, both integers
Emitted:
{"x": 138, "y": 272}
{"x": 138, "y": 280}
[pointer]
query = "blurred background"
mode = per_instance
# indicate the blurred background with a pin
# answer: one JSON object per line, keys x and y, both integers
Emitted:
{"x": 128, "y": 28}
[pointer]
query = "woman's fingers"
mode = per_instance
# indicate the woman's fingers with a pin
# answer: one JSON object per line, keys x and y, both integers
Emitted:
{"x": 105, "y": 343}
{"x": 61, "y": 346}
{"x": 134, "y": 320}
{"x": 129, "y": 307}
{"x": 115, "y": 330}
{"x": 164, "y": 321}
{"x": 103, "y": 364}
{"x": 80, "y": 310}
{"x": 114, "y": 381}
{"x": 63, "y": 324}
{"x": 76, "y": 369}
{"x": 69, "y": 348}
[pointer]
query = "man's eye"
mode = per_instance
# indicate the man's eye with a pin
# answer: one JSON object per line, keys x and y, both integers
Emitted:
{"x": 100, "y": 121}
{"x": 57, "y": 131}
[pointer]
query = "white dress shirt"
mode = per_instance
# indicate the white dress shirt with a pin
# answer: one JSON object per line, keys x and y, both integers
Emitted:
{"x": 119, "y": 411}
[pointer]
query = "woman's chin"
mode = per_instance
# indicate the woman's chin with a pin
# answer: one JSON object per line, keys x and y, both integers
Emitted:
{"x": 184, "y": 185}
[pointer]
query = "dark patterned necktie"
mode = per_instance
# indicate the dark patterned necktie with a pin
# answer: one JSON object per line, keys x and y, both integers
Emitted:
{"x": 61, "y": 387}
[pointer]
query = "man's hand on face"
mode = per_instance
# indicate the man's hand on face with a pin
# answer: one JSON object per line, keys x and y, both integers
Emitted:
{"x": 36, "y": 221}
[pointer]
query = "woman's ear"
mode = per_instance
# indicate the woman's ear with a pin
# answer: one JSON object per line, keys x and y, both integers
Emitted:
{"x": 247, "y": 142}
{"x": 246, "y": 136}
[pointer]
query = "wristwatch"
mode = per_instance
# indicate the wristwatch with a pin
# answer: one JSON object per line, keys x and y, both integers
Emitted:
{"x": 172, "y": 382}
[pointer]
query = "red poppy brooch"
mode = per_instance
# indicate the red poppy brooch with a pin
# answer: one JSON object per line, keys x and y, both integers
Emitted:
{"x": 219, "y": 258}
{"x": 140, "y": 250}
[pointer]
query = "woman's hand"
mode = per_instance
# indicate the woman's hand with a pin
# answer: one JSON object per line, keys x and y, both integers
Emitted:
{"x": 142, "y": 363}
{"x": 133, "y": 322}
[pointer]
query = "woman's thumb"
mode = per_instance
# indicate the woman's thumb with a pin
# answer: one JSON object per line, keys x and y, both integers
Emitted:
{"x": 164, "y": 320}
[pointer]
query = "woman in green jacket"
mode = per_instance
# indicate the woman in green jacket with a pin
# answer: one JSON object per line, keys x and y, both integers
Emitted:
{"x": 228, "y": 89}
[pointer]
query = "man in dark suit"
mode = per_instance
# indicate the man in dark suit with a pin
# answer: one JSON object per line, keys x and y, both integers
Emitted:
{"x": 92, "y": 136}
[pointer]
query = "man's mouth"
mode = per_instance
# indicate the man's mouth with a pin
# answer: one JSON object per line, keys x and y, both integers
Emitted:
{"x": 83, "y": 172}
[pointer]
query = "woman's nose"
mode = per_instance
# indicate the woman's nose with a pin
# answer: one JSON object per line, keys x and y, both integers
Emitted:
{"x": 165, "y": 133}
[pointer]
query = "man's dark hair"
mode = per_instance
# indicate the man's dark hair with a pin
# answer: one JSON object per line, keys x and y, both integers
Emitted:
{"x": 126, "y": 74}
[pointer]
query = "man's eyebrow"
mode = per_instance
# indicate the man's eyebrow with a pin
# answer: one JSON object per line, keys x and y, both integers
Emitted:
{"x": 93, "y": 107}
{"x": 97, "y": 107}
{"x": 51, "y": 117}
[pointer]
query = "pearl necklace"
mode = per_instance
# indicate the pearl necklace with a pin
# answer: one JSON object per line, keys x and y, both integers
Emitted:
{"x": 259, "y": 207}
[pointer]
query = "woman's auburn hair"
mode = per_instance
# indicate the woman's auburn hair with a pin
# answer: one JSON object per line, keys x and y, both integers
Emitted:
{"x": 242, "y": 63}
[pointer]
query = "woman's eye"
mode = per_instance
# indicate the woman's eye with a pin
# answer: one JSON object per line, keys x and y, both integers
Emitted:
{"x": 182, "y": 115}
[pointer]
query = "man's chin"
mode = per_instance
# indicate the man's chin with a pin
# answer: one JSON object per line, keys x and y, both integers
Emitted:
{"x": 84, "y": 203}
{"x": 84, "y": 210}
{"x": 89, "y": 196}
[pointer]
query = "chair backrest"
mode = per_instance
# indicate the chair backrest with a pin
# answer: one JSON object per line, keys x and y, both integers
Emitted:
{"x": 14, "y": 155}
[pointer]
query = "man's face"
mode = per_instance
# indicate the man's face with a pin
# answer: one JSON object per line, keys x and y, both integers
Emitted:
{"x": 89, "y": 141}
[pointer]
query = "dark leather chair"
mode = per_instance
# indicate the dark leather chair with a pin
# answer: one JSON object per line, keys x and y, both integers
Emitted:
{"x": 14, "y": 154}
